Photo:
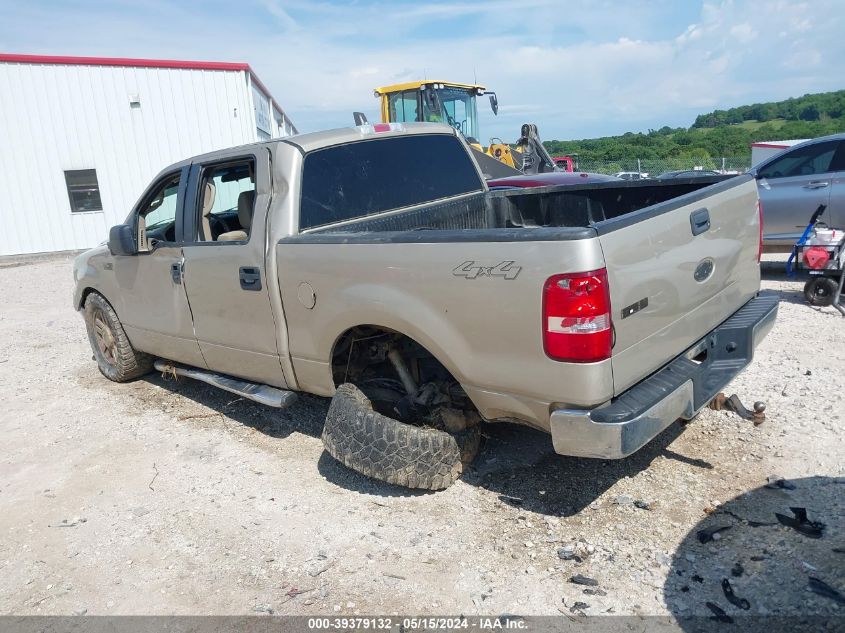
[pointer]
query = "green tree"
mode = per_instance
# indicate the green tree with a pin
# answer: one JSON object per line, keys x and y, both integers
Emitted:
{"x": 714, "y": 134}
{"x": 809, "y": 112}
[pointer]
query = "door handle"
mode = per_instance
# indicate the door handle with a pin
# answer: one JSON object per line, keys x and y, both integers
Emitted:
{"x": 699, "y": 221}
{"x": 816, "y": 184}
{"x": 176, "y": 272}
{"x": 250, "y": 277}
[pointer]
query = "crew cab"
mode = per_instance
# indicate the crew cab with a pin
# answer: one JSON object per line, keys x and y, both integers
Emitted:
{"x": 599, "y": 312}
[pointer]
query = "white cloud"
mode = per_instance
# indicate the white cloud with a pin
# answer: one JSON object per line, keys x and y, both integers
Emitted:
{"x": 743, "y": 33}
{"x": 596, "y": 85}
{"x": 804, "y": 59}
{"x": 575, "y": 69}
{"x": 277, "y": 10}
{"x": 371, "y": 71}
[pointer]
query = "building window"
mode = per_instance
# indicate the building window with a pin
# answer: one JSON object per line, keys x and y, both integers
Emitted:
{"x": 83, "y": 190}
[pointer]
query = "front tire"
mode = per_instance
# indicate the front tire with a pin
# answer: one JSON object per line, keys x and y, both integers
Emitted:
{"x": 116, "y": 358}
{"x": 819, "y": 291}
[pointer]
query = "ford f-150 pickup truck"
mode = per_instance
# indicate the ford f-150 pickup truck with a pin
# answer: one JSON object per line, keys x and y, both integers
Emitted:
{"x": 376, "y": 258}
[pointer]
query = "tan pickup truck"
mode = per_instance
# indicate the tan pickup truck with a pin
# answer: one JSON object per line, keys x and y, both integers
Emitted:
{"x": 377, "y": 256}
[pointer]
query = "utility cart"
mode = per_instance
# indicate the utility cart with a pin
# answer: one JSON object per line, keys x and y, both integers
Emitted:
{"x": 821, "y": 252}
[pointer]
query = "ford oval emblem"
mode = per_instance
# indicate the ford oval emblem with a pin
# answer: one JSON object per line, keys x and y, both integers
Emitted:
{"x": 704, "y": 270}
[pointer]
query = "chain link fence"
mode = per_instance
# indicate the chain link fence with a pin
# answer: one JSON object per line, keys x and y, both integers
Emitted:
{"x": 655, "y": 167}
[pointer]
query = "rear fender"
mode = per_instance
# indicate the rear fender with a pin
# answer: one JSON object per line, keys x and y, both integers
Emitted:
{"x": 407, "y": 315}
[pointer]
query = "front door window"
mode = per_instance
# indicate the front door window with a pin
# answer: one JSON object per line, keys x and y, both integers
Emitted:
{"x": 157, "y": 218}
{"x": 802, "y": 161}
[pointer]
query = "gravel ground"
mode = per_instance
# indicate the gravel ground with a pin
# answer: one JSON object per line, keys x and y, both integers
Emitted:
{"x": 175, "y": 498}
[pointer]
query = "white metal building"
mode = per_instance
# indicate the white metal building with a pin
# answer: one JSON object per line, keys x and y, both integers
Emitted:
{"x": 80, "y": 137}
{"x": 766, "y": 149}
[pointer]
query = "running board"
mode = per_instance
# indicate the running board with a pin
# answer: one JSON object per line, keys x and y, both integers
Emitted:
{"x": 263, "y": 394}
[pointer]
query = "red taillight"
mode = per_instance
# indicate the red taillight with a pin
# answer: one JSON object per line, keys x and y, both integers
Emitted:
{"x": 381, "y": 127}
{"x": 760, "y": 222}
{"x": 576, "y": 317}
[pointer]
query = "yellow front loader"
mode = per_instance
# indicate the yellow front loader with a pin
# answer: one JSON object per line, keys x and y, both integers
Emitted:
{"x": 456, "y": 104}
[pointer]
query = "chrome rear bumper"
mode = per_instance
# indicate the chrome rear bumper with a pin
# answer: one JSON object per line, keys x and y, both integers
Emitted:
{"x": 678, "y": 390}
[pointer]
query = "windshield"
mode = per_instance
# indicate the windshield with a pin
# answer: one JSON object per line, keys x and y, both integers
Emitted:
{"x": 455, "y": 106}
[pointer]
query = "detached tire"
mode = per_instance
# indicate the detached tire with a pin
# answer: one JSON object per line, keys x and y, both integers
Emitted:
{"x": 819, "y": 291}
{"x": 115, "y": 356}
{"x": 391, "y": 451}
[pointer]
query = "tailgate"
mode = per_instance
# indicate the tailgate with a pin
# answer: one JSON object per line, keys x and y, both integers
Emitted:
{"x": 668, "y": 286}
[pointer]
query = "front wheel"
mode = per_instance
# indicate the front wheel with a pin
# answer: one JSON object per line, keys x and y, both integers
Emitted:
{"x": 115, "y": 356}
{"x": 819, "y": 291}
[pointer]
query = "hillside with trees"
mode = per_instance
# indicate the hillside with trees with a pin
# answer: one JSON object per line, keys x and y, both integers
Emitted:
{"x": 719, "y": 133}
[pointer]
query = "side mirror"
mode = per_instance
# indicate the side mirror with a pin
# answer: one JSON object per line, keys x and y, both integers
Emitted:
{"x": 122, "y": 240}
{"x": 360, "y": 118}
{"x": 494, "y": 103}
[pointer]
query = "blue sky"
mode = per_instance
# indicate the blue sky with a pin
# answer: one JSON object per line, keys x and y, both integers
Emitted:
{"x": 578, "y": 69}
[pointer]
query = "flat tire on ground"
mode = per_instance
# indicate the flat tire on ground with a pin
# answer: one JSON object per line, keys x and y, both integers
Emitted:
{"x": 402, "y": 454}
{"x": 115, "y": 356}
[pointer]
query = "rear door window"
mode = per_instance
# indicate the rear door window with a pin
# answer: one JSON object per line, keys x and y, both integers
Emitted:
{"x": 368, "y": 177}
{"x": 226, "y": 202}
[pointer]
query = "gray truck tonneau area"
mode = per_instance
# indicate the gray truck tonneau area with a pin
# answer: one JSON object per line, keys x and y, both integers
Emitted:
{"x": 564, "y": 212}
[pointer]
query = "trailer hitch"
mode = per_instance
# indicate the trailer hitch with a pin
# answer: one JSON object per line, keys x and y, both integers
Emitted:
{"x": 724, "y": 403}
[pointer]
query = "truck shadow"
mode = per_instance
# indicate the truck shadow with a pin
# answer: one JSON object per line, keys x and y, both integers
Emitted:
{"x": 795, "y": 296}
{"x": 338, "y": 474}
{"x": 776, "y": 271}
{"x": 520, "y": 466}
{"x": 306, "y": 415}
{"x": 765, "y": 563}
{"x": 515, "y": 462}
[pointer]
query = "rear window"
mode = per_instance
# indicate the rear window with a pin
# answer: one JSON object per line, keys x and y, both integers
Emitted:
{"x": 359, "y": 179}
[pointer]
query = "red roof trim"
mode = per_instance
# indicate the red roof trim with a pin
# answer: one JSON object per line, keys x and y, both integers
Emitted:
{"x": 121, "y": 61}
{"x": 770, "y": 145}
{"x": 143, "y": 63}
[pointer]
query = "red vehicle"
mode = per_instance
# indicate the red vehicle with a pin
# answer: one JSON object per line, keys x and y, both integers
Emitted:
{"x": 566, "y": 163}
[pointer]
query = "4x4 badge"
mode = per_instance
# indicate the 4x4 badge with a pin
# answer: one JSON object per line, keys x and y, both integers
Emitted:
{"x": 471, "y": 270}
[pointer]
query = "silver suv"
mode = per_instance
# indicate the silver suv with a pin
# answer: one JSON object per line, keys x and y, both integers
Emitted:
{"x": 795, "y": 182}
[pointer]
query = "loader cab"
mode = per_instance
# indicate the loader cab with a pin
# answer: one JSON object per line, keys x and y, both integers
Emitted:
{"x": 433, "y": 102}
